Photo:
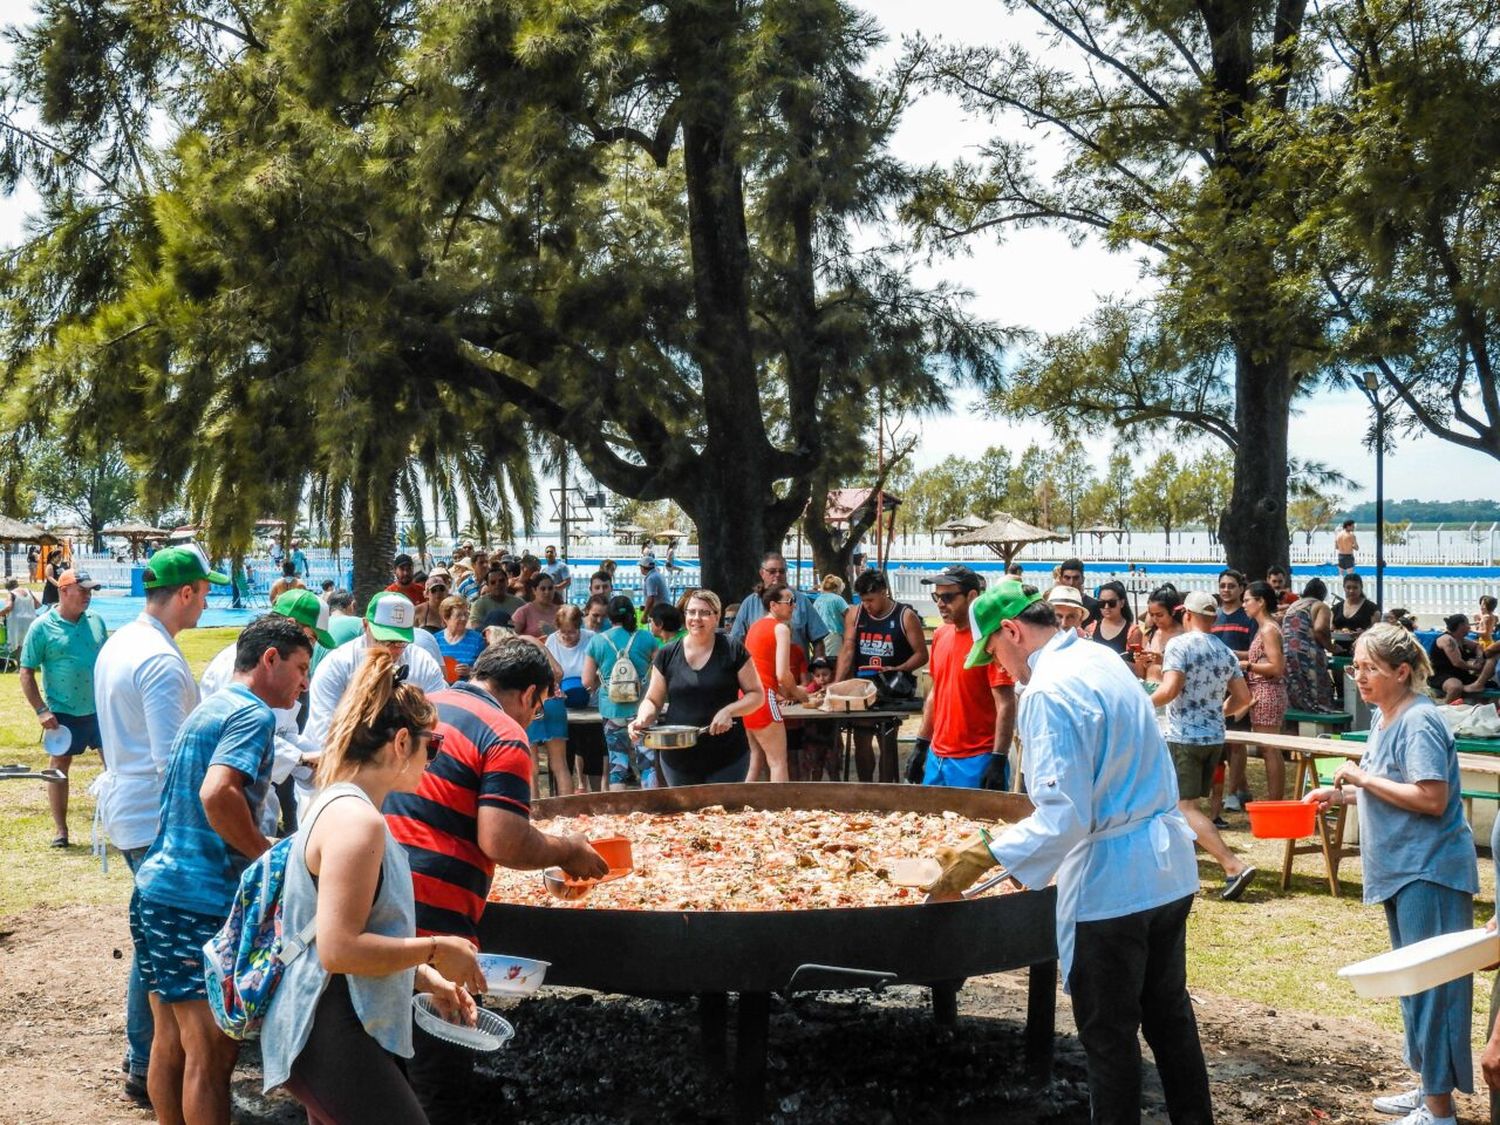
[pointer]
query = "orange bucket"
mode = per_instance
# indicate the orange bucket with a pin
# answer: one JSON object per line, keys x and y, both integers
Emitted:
{"x": 1281, "y": 820}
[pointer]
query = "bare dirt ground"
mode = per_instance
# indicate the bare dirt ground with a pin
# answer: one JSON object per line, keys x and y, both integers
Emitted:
{"x": 580, "y": 1058}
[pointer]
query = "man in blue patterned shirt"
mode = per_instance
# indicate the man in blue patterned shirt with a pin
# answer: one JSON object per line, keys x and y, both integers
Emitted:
{"x": 1201, "y": 683}
{"x": 217, "y": 777}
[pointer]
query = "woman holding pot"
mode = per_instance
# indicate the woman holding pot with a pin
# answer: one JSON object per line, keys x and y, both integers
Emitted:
{"x": 710, "y": 681}
{"x": 1418, "y": 856}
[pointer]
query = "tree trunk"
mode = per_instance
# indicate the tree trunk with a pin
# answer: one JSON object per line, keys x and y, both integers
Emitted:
{"x": 1253, "y": 528}
{"x": 736, "y": 526}
{"x": 372, "y": 529}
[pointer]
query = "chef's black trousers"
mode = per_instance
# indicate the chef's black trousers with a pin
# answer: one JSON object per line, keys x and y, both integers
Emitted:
{"x": 442, "y": 1076}
{"x": 1130, "y": 974}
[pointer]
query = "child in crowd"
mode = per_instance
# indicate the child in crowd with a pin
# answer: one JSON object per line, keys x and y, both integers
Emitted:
{"x": 1484, "y": 624}
{"x": 819, "y": 753}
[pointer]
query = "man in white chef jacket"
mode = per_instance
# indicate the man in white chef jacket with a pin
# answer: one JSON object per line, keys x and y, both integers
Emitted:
{"x": 1107, "y": 826}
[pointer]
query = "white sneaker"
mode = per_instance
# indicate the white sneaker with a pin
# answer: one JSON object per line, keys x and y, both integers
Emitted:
{"x": 1232, "y": 803}
{"x": 1402, "y": 1103}
{"x": 1424, "y": 1116}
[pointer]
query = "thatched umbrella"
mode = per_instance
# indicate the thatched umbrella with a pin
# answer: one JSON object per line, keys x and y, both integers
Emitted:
{"x": 1006, "y": 536}
{"x": 961, "y": 525}
{"x": 137, "y": 533}
{"x": 670, "y": 533}
{"x": 17, "y": 531}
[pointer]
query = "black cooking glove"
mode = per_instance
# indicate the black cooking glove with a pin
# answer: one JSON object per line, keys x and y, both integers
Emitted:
{"x": 918, "y": 762}
{"x": 996, "y": 773}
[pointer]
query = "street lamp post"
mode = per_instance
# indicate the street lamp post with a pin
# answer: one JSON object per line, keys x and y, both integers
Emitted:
{"x": 1372, "y": 390}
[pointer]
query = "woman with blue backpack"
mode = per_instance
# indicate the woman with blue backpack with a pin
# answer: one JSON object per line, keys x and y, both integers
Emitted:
{"x": 340, "y": 1018}
{"x": 618, "y": 664}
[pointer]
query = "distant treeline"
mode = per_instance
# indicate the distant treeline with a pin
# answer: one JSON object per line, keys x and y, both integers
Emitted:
{"x": 1428, "y": 511}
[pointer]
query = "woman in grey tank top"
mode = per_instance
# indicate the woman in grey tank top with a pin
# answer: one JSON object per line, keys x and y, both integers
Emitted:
{"x": 342, "y": 1013}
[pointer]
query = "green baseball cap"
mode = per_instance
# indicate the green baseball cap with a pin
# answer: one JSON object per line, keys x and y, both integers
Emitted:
{"x": 177, "y": 566}
{"x": 306, "y": 608}
{"x": 999, "y": 603}
{"x": 391, "y": 617}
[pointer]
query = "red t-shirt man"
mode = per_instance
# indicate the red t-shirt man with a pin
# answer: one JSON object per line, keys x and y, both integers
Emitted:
{"x": 963, "y": 702}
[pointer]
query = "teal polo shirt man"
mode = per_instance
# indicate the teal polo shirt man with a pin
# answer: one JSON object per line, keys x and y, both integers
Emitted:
{"x": 63, "y": 645}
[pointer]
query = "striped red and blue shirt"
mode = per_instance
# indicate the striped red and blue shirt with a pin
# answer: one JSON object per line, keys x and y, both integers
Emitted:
{"x": 485, "y": 760}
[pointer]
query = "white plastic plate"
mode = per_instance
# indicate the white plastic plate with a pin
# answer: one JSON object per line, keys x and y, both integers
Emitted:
{"x": 1424, "y": 964}
{"x": 491, "y": 1034}
{"x": 56, "y": 742}
{"x": 511, "y": 976}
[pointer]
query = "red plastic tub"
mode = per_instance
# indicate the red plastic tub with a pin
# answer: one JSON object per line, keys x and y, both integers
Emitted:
{"x": 1281, "y": 820}
{"x": 616, "y": 853}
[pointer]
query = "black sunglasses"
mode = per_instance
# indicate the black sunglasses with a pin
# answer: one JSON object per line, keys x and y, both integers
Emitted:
{"x": 434, "y": 743}
{"x": 945, "y": 598}
{"x": 1109, "y": 601}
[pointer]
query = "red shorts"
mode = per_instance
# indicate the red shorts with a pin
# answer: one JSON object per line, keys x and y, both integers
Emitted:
{"x": 767, "y": 713}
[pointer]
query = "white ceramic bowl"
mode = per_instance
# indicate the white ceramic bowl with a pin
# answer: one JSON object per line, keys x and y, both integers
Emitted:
{"x": 1424, "y": 964}
{"x": 490, "y": 1033}
{"x": 511, "y": 976}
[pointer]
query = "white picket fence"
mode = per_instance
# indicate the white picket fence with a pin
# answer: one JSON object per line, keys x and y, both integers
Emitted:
{"x": 1430, "y": 599}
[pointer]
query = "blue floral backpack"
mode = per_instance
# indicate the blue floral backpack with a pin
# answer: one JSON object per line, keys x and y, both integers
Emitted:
{"x": 243, "y": 962}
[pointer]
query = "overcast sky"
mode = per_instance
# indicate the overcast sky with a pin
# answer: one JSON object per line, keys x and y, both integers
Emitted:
{"x": 1035, "y": 279}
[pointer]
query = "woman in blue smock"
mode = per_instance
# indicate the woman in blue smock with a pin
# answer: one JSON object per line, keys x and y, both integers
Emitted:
{"x": 1418, "y": 856}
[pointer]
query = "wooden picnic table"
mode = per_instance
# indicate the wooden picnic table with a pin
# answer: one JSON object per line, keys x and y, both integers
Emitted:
{"x": 1481, "y": 756}
{"x": 847, "y": 719}
{"x": 1462, "y": 745}
{"x": 1329, "y": 826}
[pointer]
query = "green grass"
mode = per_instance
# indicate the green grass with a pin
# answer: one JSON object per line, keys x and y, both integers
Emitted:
{"x": 1275, "y": 947}
{"x": 36, "y": 874}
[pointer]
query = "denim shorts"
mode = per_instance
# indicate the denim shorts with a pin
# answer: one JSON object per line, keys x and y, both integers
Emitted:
{"x": 169, "y": 943}
{"x": 552, "y": 724}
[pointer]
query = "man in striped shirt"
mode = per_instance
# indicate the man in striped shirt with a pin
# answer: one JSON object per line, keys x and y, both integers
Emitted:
{"x": 471, "y": 812}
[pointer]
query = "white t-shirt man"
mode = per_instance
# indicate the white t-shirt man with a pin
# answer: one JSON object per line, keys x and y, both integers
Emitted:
{"x": 336, "y": 670}
{"x": 558, "y": 571}
{"x": 143, "y": 690}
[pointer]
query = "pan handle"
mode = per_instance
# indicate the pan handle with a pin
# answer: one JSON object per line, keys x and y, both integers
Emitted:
{"x": 814, "y": 978}
{"x": 993, "y": 881}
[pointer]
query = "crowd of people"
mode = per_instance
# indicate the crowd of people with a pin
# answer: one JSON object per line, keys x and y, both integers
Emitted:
{"x": 401, "y": 748}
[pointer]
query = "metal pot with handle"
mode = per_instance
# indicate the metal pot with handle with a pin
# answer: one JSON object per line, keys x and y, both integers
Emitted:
{"x": 669, "y": 736}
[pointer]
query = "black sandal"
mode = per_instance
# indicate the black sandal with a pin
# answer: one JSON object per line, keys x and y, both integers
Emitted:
{"x": 59, "y": 842}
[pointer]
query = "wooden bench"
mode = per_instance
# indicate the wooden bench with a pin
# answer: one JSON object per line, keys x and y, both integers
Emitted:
{"x": 1321, "y": 722}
